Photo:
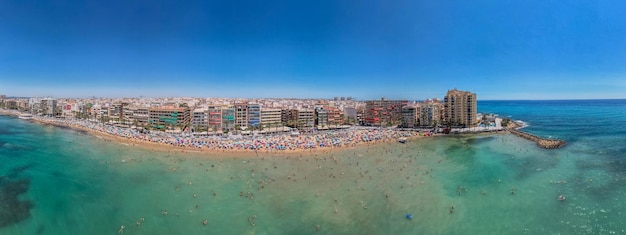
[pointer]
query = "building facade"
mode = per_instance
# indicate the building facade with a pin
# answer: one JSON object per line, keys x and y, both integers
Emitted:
{"x": 271, "y": 117}
{"x": 430, "y": 114}
{"x": 460, "y": 108}
{"x": 169, "y": 116}
{"x": 241, "y": 115}
{"x": 200, "y": 119}
{"x": 410, "y": 114}
{"x": 383, "y": 112}
{"x": 254, "y": 115}
{"x": 48, "y": 107}
{"x": 321, "y": 118}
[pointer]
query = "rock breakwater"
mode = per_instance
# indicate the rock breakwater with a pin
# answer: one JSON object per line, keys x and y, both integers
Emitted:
{"x": 513, "y": 128}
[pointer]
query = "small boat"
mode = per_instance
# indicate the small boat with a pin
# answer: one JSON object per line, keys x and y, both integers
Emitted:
{"x": 25, "y": 116}
{"x": 402, "y": 140}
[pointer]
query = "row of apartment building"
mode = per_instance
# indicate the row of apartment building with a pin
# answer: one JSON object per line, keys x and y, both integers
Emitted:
{"x": 458, "y": 108}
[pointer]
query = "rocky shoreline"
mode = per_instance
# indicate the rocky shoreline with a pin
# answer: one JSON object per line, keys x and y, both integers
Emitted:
{"x": 514, "y": 127}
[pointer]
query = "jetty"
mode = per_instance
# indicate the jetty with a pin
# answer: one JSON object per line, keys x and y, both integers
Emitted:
{"x": 514, "y": 127}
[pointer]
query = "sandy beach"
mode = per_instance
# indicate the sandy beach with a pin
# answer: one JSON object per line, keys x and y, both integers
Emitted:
{"x": 277, "y": 144}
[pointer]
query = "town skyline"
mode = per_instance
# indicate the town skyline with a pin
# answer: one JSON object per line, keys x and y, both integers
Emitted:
{"x": 533, "y": 50}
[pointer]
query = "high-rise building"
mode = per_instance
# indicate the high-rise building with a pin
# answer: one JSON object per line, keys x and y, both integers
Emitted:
{"x": 383, "y": 112}
{"x": 460, "y": 108}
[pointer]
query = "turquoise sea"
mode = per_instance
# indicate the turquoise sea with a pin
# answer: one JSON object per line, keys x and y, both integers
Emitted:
{"x": 61, "y": 181}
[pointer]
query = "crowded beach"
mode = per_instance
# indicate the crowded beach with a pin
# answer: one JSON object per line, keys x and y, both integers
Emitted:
{"x": 283, "y": 141}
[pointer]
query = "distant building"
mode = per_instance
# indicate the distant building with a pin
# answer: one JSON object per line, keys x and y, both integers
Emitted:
{"x": 48, "y": 107}
{"x": 11, "y": 104}
{"x": 460, "y": 108}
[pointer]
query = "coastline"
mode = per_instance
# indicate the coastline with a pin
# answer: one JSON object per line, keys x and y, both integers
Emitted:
{"x": 235, "y": 152}
{"x": 372, "y": 137}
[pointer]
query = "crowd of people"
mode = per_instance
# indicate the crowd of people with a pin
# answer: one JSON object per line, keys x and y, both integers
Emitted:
{"x": 270, "y": 142}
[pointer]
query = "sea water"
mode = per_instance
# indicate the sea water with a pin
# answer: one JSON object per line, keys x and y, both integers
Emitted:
{"x": 61, "y": 181}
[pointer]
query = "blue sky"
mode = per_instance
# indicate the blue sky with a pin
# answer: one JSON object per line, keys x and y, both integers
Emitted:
{"x": 532, "y": 49}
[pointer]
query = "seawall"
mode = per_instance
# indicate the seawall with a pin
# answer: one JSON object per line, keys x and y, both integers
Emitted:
{"x": 513, "y": 127}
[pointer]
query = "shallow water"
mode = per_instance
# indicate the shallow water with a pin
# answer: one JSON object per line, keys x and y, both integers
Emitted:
{"x": 79, "y": 184}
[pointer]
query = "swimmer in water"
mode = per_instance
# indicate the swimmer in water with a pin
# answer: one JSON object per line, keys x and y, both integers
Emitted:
{"x": 164, "y": 212}
{"x": 195, "y": 195}
{"x": 121, "y": 229}
{"x": 205, "y": 222}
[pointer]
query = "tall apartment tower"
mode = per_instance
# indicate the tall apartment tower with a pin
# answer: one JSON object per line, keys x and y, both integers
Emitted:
{"x": 460, "y": 108}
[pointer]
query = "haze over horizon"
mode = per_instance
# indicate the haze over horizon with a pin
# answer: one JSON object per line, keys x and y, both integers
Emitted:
{"x": 415, "y": 50}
